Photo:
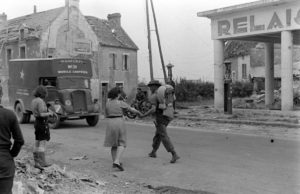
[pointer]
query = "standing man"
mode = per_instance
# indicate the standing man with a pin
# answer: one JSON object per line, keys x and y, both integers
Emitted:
{"x": 9, "y": 128}
{"x": 1, "y": 92}
{"x": 161, "y": 122}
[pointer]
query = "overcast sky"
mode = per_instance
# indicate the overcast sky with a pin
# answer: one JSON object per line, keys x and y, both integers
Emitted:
{"x": 185, "y": 38}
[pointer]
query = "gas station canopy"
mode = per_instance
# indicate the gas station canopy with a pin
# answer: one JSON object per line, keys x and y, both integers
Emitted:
{"x": 256, "y": 21}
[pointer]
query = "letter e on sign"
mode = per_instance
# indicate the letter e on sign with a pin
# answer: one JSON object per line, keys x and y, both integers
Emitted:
{"x": 240, "y": 25}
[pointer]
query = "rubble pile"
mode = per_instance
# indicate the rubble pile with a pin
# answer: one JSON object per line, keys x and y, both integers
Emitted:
{"x": 52, "y": 180}
{"x": 257, "y": 101}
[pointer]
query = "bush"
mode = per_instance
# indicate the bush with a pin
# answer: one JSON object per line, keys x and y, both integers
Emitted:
{"x": 188, "y": 91}
{"x": 242, "y": 89}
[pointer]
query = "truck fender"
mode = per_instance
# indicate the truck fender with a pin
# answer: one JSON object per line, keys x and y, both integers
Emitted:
{"x": 22, "y": 104}
{"x": 22, "y": 115}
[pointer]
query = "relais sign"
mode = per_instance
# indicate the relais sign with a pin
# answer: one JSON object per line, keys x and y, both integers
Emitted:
{"x": 266, "y": 20}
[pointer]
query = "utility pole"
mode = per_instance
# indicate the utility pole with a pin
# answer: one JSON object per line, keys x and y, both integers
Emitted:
{"x": 159, "y": 46}
{"x": 149, "y": 42}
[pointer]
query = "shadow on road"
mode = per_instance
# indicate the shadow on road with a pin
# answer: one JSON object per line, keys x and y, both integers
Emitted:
{"x": 176, "y": 190}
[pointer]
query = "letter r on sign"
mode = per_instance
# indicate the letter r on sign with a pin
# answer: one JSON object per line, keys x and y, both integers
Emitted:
{"x": 223, "y": 27}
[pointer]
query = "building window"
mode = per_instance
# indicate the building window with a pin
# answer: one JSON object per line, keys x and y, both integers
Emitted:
{"x": 120, "y": 85}
{"x": 244, "y": 71}
{"x": 8, "y": 56}
{"x": 22, "y": 52}
{"x": 113, "y": 58}
{"x": 22, "y": 32}
{"x": 125, "y": 62}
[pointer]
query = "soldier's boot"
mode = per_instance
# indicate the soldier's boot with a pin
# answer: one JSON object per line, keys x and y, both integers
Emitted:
{"x": 175, "y": 157}
{"x": 37, "y": 161}
{"x": 152, "y": 154}
{"x": 43, "y": 159}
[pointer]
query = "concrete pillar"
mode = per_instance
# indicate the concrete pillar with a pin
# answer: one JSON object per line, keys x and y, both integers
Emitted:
{"x": 219, "y": 74}
{"x": 286, "y": 70}
{"x": 269, "y": 74}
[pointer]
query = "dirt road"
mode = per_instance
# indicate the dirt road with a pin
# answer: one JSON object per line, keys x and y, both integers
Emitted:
{"x": 215, "y": 158}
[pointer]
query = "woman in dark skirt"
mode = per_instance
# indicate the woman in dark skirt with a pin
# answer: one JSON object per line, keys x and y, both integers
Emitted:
{"x": 42, "y": 132}
{"x": 116, "y": 132}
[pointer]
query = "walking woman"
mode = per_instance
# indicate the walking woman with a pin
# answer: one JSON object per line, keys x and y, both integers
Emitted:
{"x": 116, "y": 132}
{"x": 42, "y": 132}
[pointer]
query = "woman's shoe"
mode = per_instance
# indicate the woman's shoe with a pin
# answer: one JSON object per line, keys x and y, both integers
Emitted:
{"x": 119, "y": 166}
{"x": 115, "y": 166}
{"x": 37, "y": 161}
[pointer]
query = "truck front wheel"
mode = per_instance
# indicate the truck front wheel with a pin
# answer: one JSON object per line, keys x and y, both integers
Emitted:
{"x": 54, "y": 121}
{"x": 21, "y": 115}
{"x": 92, "y": 120}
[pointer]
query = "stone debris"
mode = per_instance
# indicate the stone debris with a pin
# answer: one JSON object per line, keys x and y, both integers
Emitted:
{"x": 53, "y": 179}
{"x": 79, "y": 158}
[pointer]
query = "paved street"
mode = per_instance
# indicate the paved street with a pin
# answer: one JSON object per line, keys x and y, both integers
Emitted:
{"x": 214, "y": 161}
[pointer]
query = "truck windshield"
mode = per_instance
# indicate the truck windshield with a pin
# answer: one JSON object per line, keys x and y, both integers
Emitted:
{"x": 73, "y": 83}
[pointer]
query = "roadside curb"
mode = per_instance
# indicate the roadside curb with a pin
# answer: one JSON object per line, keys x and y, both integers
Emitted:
{"x": 247, "y": 122}
{"x": 228, "y": 120}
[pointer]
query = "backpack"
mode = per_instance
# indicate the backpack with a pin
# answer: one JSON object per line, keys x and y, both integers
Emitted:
{"x": 166, "y": 97}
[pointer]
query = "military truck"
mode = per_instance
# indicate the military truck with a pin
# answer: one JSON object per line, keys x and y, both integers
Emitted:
{"x": 68, "y": 85}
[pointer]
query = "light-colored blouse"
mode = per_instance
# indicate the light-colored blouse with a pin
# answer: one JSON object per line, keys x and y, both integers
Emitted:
{"x": 115, "y": 107}
{"x": 38, "y": 106}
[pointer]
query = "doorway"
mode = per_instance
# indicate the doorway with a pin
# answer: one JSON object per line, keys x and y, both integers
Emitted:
{"x": 104, "y": 89}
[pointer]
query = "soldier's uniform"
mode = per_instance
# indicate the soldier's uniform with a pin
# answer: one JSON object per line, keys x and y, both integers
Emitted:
{"x": 161, "y": 122}
{"x": 1, "y": 93}
{"x": 9, "y": 127}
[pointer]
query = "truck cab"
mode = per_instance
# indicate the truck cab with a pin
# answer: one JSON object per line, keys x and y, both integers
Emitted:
{"x": 68, "y": 85}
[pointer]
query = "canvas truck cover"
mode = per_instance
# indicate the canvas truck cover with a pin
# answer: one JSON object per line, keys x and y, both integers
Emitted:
{"x": 27, "y": 71}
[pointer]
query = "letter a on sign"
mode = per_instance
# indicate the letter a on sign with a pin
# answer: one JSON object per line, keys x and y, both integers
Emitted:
{"x": 275, "y": 22}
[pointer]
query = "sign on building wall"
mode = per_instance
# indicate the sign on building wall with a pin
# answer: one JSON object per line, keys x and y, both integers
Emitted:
{"x": 265, "y": 20}
{"x": 82, "y": 47}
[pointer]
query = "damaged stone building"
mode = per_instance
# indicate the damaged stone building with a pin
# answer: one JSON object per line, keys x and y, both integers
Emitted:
{"x": 66, "y": 32}
{"x": 247, "y": 62}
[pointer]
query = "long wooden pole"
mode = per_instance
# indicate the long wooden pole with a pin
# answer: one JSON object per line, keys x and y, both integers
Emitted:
{"x": 158, "y": 41}
{"x": 149, "y": 42}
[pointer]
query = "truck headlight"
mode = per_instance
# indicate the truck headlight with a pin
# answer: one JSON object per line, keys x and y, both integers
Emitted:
{"x": 68, "y": 102}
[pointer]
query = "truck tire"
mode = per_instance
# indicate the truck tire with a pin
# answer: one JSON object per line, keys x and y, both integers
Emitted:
{"x": 92, "y": 120}
{"x": 21, "y": 115}
{"x": 27, "y": 117}
{"x": 54, "y": 121}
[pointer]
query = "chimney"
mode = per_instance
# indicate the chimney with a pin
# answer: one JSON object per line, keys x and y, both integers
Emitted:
{"x": 34, "y": 9}
{"x": 115, "y": 17}
{"x": 3, "y": 18}
{"x": 70, "y": 3}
